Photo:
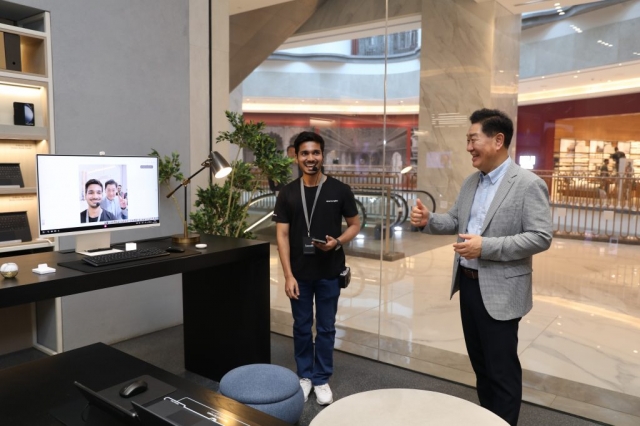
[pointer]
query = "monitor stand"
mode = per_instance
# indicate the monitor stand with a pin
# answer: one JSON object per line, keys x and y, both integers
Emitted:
{"x": 93, "y": 244}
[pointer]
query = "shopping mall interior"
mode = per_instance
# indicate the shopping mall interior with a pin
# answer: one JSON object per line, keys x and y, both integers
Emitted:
{"x": 390, "y": 85}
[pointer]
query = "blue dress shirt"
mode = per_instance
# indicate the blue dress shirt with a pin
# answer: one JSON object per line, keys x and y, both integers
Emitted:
{"x": 487, "y": 188}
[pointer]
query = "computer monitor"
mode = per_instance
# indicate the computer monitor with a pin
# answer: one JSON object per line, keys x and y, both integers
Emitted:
{"x": 91, "y": 195}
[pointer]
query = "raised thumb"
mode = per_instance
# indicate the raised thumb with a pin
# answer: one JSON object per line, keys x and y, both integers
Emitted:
{"x": 419, "y": 203}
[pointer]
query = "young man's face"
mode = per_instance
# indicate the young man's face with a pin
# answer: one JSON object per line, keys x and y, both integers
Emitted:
{"x": 111, "y": 191}
{"x": 93, "y": 195}
{"x": 119, "y": 189}
{"x": 310, "y": 156}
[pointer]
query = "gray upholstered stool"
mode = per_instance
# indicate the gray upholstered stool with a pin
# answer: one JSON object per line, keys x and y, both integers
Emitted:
{"x": 269, "y": 388}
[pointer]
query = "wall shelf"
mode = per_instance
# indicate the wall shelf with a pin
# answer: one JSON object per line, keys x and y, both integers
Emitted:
{"x": 31, "y": 84}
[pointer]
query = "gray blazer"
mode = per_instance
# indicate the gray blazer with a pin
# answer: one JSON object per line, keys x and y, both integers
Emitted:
{"x": 517, "y": 226}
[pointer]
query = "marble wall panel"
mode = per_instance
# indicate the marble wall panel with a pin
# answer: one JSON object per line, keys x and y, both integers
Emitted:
{"x": 465, "y": 45}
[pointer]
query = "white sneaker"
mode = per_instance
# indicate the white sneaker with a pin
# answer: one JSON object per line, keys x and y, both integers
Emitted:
{"x": 324, "y": 396}
{"x": 306, "y": 386}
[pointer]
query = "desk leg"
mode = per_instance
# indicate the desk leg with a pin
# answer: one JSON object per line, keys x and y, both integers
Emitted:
{"x": 226, "y": 317}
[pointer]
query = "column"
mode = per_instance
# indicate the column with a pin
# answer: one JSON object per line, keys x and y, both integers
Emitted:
{"x": 201, "y": 46}
{"x": 469, "y": 60}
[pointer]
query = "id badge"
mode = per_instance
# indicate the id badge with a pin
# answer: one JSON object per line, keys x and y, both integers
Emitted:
{"x": 307, "y": 246}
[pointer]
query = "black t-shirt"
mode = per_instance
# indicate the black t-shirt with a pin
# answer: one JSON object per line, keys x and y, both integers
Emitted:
{"x": 334, "y": 202}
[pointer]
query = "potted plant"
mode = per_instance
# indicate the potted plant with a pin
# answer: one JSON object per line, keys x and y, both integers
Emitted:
{"x": 219, "y": 207}
{"x": 169, "y": 168}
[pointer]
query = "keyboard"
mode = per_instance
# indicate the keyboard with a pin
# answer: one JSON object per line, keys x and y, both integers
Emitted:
{"x": 14, "y": 226}
{"x": 10, "y": 175}
{"x": 124, "y": 256}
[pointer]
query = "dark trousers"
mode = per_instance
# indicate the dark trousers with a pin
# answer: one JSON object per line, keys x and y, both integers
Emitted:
{"x": 315, "y": 362}
{"x": 493, "y": 350}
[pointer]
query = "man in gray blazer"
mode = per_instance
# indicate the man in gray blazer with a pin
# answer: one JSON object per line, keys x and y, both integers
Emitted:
{"x": 502, "y": 218}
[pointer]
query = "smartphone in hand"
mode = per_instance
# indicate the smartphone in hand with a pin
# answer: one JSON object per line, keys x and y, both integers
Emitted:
{"x": 318, "y": 240}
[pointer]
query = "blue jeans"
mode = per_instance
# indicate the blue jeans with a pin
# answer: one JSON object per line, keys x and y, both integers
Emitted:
{"x": 317, "y": 364}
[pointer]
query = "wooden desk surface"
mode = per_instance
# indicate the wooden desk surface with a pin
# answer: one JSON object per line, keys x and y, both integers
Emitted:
{"x": 29, "y": 287}
{"x": 29, "y": 391}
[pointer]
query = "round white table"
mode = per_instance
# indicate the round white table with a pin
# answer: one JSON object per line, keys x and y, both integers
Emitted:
{"x": 407, "y": 407}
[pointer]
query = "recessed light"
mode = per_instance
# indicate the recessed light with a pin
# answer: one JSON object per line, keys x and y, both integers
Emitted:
{"x": 575, "y": 76}
{"x": 557, "y": 4}
{"x": 501, "y": 71}
{"x": 543, "y": 76}
{"x": 578, "y": 71}
{"x": 561, "y": 13}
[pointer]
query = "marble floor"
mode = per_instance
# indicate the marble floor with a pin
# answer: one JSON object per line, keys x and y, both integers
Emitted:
{"x": 579, "y": 346}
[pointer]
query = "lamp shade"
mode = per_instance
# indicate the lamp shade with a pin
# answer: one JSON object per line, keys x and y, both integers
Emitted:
{"x": 219, "y": 166}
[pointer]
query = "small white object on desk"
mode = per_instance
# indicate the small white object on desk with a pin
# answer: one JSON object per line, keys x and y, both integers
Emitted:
{"x": 201, "y": 246}
{"x": 130, "y": 246}
{"x": 42, "y": 269}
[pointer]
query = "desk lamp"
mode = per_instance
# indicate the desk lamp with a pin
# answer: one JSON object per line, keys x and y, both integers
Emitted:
{"x": 219, "y": 168}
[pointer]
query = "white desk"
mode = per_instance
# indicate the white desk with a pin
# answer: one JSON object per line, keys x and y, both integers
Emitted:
{"x": 407, "y": 407}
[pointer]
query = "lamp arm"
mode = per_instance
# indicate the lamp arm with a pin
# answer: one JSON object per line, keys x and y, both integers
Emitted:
{"x": 187, "y": 181}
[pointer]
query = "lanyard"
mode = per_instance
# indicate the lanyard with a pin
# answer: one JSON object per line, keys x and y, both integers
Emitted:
{"x": 304, "y": 204}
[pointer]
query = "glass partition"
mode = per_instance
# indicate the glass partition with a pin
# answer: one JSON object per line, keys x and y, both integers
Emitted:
{"x": 363, "y": 96}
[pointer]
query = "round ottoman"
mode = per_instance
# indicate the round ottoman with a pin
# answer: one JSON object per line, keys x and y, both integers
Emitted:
{"x": 269, "y": 388}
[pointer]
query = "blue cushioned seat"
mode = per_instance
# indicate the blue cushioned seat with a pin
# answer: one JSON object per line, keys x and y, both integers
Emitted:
{"x": 269, "y": 388}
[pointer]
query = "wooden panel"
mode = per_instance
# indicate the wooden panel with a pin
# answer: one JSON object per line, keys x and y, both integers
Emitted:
{"x": 608, "y": 128}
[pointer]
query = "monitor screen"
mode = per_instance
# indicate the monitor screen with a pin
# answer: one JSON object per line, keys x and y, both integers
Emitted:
{"x": 80, "y": 194}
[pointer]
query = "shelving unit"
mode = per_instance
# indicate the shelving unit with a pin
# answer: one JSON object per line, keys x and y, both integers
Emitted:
{"x": 589, "y": 155}
{"x": 32, "y": 83}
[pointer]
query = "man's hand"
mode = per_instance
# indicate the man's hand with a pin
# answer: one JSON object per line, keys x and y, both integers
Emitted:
{"x": 291, "y": 288}
{"x": 419, "y": 215}
{"x": 331, "y": 244}
{"x": 470, "y": 248}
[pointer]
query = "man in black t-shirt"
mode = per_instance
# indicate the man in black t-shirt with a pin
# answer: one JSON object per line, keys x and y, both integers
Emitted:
{"x": 93, "y": 197}
{"x": 616, "y": 156}
{"x": 313, "y": 206}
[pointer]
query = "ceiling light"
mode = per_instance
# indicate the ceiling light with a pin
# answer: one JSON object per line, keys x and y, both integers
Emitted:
{"x": 543, "y": 76}
{"x": 501, "y": 71}
{"x": 561, "y": 13}
{"x": 557, "y": 4}
{"x": 575, "y": 76}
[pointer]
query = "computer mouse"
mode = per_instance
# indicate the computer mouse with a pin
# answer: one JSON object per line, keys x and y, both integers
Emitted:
{"x": 133, "y": 388}
{"x": 175, "y": 249}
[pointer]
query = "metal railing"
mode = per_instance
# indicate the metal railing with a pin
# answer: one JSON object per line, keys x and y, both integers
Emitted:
{"x": 588, "y": 206}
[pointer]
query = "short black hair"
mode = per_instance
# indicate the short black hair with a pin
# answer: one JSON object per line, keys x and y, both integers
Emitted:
{"x": 308, "y": 137}
{"x": 111, "y": 182}
{"x": 92, "y": 182}
{"x": 290, "y": 146}
{"x": 494, "y": 121}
